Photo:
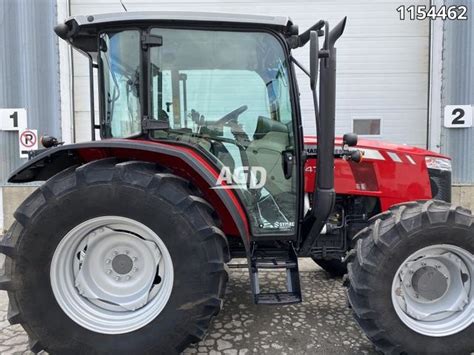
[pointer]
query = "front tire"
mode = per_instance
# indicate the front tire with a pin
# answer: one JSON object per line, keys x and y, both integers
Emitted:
{"x": 71, "y": 306}
{"x": 410, "y": 279}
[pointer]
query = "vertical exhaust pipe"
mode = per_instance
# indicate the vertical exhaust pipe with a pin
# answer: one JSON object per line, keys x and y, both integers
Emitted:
{"x": 324, "y": 195}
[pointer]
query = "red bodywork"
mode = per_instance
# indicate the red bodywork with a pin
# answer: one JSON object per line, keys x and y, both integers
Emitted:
{"x": 180, "y": 168}
{"x": 393, "y": 173}
{"x": 378, "y": 175}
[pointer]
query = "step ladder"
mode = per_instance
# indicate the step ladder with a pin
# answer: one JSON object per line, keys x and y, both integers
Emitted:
{"x": 287, "y": 261}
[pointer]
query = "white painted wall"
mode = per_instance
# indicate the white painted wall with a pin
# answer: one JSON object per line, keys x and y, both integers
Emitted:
{"x": 65, "y": 78}
{"x": 382, "y": 70}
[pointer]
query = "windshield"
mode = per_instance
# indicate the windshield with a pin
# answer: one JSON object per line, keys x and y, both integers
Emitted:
{"x": 203, "y": 80}
{"x": 120, "y": 70}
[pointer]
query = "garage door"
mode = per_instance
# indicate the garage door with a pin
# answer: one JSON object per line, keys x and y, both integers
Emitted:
{"x": 382, "y": 71}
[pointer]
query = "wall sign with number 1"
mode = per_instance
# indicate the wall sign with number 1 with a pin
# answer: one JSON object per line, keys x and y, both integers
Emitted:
{"x": 12, "y": 119}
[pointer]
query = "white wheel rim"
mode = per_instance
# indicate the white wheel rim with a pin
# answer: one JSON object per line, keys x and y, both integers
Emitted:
{"x": 112, "y": 275}
{"x": 432, "y": 291}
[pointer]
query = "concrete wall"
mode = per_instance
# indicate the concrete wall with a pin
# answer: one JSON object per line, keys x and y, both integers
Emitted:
{"x": 463, "y": 195}
{"x": 13, "y": 196}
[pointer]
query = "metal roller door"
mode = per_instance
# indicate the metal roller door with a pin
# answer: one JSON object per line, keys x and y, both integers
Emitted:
{"x": 382, "y": 71}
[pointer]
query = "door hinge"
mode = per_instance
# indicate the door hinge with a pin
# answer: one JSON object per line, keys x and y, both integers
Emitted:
{"x": 150, "y": 40}
{"x": 150, "y": 124}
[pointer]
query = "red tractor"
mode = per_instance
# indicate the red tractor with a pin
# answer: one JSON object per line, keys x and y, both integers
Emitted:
{"x": 202, "y": 159}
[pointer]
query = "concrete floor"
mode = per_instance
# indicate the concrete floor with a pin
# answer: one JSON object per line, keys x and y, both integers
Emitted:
{"x": 321, "y": 324}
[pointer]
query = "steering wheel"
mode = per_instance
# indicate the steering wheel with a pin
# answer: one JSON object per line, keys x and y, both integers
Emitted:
{"x": 231, "y": 116}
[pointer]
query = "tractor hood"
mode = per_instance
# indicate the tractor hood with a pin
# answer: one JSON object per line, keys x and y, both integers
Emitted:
{"x": 377, "y": 146}
{"x": 392, "y": 173}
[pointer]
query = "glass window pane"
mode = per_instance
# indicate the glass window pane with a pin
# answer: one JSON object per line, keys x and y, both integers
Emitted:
{"x": 367, "y": 126}
{"x": 120, "y": 65}
{"x": 229, "y": 93}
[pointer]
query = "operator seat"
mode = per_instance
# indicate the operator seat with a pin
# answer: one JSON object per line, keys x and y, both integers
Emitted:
{"x": 271, "y": 138}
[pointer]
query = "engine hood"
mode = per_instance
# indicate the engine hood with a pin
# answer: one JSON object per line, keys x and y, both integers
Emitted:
{"x": 392, "y": 173}
{"x": 378, "y": 145}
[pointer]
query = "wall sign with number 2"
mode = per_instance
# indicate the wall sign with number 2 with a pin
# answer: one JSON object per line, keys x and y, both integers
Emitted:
{"x": 458, "y": 116}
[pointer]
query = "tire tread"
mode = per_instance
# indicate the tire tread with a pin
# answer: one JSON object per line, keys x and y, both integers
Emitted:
{"x": 373, "y": 243}
{"x": 157, "y": 181}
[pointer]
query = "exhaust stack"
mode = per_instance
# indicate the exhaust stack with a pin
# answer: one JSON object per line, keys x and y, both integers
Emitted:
{"x": 324, "y": 194}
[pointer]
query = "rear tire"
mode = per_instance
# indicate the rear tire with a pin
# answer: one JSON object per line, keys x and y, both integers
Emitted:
{"x": 389, "y": 250}
{"x": 136, "y": 191}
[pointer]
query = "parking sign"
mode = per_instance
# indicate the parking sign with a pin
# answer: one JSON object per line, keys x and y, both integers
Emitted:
{"x": 28, "y": 140}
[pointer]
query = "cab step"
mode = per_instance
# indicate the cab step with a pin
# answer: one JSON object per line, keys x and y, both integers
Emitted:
{"x": 279, "y": 298}
{"x": 287, "y": 261}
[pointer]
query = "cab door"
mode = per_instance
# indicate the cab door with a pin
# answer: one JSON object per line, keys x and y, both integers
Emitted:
{"x": 229, "y": 93}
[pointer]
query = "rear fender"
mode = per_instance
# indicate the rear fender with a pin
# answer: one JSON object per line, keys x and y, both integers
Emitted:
{"x": 182, "y": 160}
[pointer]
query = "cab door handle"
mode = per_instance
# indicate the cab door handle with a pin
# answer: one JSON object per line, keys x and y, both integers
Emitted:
{"x": 287, "y": 162}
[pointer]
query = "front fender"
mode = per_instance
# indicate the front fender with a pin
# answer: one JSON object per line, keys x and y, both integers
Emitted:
{"x": 182, "y": 160}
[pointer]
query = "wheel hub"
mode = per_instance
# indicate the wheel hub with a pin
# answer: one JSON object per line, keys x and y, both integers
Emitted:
{"x": 432, "y": 290}
{"x": 112, "y": 274}
{"x": 430, "y": 283}
{"x": 117, "y": 268}
{"x": 425, "y": 280}
{"x": 122, "y": 264}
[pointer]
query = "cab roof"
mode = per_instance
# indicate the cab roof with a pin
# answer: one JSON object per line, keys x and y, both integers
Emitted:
{"x": 81, "y": 31}
{"x": 180, "y": 16}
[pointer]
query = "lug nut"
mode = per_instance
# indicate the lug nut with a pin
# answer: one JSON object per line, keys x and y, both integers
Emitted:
{"x": 107, "y": 261}
{"x": 109, "y": 271}
{"x": 117, "y": 278}
{"x": 115, "y": 252}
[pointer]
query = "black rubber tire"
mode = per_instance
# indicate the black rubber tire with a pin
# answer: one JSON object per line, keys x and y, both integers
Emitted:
{"x": 334, "y": 267}
{"x": 137, "y": 190}
{"x": 380, "y": 250}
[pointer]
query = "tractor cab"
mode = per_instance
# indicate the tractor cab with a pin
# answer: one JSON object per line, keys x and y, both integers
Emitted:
{"x": 221, "y": 83}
